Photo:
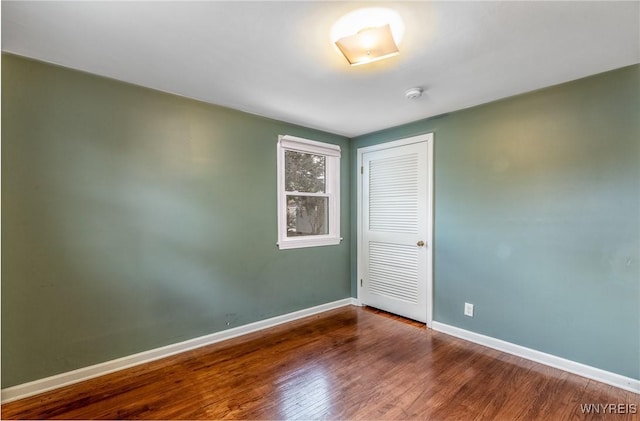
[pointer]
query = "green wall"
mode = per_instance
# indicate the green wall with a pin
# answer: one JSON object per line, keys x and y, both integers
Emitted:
{"x": 133, "y": 219}
{"x": 537, "y": 218}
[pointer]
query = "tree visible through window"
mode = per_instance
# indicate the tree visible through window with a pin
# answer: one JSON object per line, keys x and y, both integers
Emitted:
{"x": 308, "y": 174}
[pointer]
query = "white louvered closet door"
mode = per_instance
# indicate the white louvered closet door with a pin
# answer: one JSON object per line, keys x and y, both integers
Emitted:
{"x": 394, "y": 230}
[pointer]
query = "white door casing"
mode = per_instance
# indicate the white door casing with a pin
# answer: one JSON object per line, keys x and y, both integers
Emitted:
{"x": 395, "y": 214}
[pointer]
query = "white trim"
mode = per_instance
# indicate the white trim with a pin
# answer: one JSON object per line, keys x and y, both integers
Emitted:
{"x": 64, "y": 379}
{"x": 428, "y": 138}
{"x": 395, "y": 143}
{"x": 613, "y": 379}
{"x": 308, "y": 146}
{"x": 309, "y": 241}
{"x": 356, "y": 302}
{"x": 332, "y": 192}
{"x": 430, "y": 223}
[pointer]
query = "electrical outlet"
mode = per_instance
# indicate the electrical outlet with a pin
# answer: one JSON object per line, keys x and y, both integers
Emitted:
{"x": 468, "y": 309}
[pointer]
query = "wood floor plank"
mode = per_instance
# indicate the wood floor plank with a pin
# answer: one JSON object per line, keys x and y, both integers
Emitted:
{"x": 349, "y": 363}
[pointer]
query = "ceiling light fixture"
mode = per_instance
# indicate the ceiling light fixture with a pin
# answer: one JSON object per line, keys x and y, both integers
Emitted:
{"x": 368, "y": 35}
{"x": 368, "y": 45}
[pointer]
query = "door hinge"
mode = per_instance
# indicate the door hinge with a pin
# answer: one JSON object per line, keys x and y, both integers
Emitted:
{"x": 362, "y": 170}
{"x": 360, "y": 282}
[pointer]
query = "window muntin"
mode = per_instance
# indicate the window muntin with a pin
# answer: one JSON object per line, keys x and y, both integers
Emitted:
{"x": 308, "y": 193}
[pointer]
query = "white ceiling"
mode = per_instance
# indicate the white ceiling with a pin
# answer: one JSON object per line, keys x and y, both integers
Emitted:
{"x": 275, "y": 59}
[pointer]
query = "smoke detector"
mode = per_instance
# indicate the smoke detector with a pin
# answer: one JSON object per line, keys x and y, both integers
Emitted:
{"x": 413, "y": 93}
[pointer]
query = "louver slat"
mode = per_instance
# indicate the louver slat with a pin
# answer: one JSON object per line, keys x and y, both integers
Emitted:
{"x": 393, "y": 271}
{"x": 393, "y": 194}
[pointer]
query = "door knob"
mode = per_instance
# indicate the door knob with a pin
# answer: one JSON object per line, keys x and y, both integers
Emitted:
{"x": 420, "y": 243}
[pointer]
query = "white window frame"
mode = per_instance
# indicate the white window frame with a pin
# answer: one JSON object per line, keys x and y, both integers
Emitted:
{"x": 332, "y": 186}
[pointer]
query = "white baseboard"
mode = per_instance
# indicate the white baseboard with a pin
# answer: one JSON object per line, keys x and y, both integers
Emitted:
{"x": 64, "y": 379}
{"x": 356, "y": 302}
{"x": 613, "y": 379}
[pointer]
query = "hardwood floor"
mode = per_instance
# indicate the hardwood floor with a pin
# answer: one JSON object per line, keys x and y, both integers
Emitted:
{"x": 349, "y": 363}
{"x": 395, "y": 317}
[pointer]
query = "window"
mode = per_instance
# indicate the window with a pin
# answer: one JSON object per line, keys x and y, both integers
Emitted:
{"x": 308, "y": 193}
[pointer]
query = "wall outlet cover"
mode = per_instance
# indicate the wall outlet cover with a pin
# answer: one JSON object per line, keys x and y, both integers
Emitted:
{"x": 468, "y": 309}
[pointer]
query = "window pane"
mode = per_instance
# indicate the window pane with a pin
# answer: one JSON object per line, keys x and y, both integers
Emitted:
{"x": 304, "y": 172}
{"x": 307, "y": 215}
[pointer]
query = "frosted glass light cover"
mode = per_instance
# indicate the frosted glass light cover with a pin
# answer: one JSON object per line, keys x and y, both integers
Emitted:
{"x": 369, "y": 44}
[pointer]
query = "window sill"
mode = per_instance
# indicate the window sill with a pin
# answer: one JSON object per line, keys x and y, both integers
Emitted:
{"x": 295, "y": 243}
